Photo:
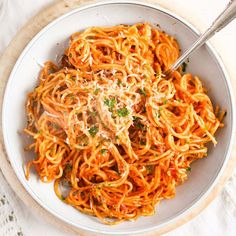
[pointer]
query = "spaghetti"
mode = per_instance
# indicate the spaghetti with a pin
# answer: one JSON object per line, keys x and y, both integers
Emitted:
{"x": 109, "y": 126}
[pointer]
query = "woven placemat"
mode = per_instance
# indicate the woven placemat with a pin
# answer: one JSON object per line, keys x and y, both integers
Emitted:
{"x": 12, "y": 52}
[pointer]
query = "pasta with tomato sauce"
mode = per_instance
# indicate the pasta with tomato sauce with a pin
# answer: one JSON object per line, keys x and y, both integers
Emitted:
{"x": 111, "y": 127}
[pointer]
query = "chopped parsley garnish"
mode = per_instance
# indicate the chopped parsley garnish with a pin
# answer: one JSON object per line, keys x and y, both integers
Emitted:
{"x": 158, "y": 115}
{"x": 103, "y": 151}
{"x": 110, "y": 103}
{"x": 93, "y": 130}
{"x": 137, "y": 123}
{"x": 140, "y": 126}
{"x": 96, "y": 91}
{"x": 188, "y": 169}
{"x": 135, "y": 118}
{"x": 150, "y": 169}
{"x": 93, "y": 113}
{"x": 119, "y": 82}
{"x": 68, "y": 167}
{"x": 142, "y": 92}
{"x": 39, "y": 132}
{"x": 164, "y": 102}
{"x": 70, "y": 55}
{"x": 142, "y": 142}
{"x": 123, "y": 112}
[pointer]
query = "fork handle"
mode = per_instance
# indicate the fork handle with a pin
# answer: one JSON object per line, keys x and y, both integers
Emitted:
{"x": 220, "y": 22}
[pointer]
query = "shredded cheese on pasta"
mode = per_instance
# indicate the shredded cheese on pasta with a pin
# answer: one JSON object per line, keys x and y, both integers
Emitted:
{"x": 111, "y": 127}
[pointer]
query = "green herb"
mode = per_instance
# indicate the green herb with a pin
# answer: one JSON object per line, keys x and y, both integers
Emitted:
{"x": 68, "y": 167}
{"x": 119, "y": 82}
{"x": 83, "y": 140}
{"x": 165, "y": 101}
{"x": 136, "y": 119}
{"x": 179, "y": 100}
{"x": 123, "y": 112}
{"x": 142, "y": 142}
{"x": 78, "y": 113}
{"x": 160, "y": 108}
{"x": 103, "y": 152}
{"x": 184, "y": 66}
{"x": 142, "y": 92}
{"x": 138, "y": 124}
{"x": 150, "y": 169}
{"x": 188, "y": 169}
{"x": 93, "y": 113}
{"x": 110, "y": 103}
{"x": 158, "y": 115}
{"x": 70, "y": 55}
{"x": 93, "y": 130}
{"x": 96, "y": 91}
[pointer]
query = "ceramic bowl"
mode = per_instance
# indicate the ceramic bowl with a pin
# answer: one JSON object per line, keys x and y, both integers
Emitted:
{"x": 51, "y": 42}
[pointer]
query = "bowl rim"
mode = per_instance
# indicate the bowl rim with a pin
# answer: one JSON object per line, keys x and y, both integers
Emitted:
{"x": 218, "y": 61}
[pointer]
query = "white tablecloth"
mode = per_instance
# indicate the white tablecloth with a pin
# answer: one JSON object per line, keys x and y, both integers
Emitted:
{"x": 217, "y": 219}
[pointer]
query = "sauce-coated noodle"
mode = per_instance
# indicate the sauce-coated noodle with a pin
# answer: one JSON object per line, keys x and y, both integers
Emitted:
{"x": 110, "y": 127}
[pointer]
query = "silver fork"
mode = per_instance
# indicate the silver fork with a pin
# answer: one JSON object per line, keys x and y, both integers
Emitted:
{"x": 220, "y": 22}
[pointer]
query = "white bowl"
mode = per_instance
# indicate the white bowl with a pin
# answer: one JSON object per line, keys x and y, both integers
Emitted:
{"x": 50, "y": 42}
